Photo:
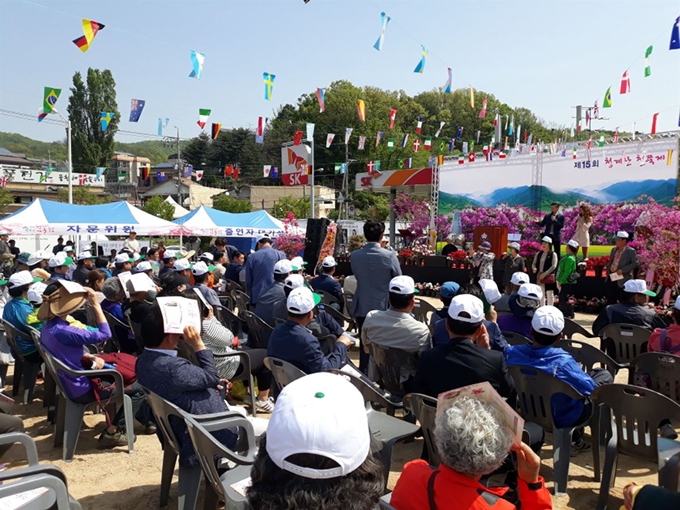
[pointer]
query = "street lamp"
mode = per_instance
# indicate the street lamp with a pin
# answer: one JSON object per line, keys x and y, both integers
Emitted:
{"x": 67, "y": 122}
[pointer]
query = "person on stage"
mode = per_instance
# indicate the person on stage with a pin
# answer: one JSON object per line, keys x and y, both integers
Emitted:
{"x": 552, "y": 224}
{"x": 583, "y": 224}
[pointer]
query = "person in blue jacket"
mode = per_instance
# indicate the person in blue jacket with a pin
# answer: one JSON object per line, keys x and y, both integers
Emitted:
{"x": 260, "y": 269}
{"x": 547, "y": 325}
{"x": 326, "y": 283}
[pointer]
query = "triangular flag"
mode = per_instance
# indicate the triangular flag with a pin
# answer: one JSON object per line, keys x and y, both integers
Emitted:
{"x": 106, "y": 118}
{"x": 203, "y": 114}
{"x": 90, "y": 29}
{"x": 329, "y": 139}
{"x": 675, "y": 35}
{"x": 197, "y": 60}
{"x": 625, "y": 83}
{"x": 423, "y": 59}
{"x": 348, "y": 135}
{"x": 648, "y": 67}
{"x": 216, "y": 128}
{"x": 384, "y": 20}
{"x": 607, "y": 103}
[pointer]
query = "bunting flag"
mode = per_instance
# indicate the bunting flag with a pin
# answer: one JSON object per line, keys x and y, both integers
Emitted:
{"x": 404, "y": 164}
{"x": 106, "y": 118}
{"x": 329, "y": 139}
{"x": 479, "y": 132}
{"x": 442, "y": 146}
{"x": 452, "y": 143}
{"x": 216, "y": 128}
{"x": 228, "y": 170}
{"x": 160, "y": 177}
{"x": 485, "y": 151}
{"x": 465, "y": 148}
{"x": 616, "y": 135}
{"x": 136, "y": 107}
{"x": 600, "y": 142}
{"x": 404, "y": 141}
{"x": 348, "y": 135}
{"x": 447, "y": 85}
{"x": 340, "y": 168}
{"x": 441, "y": 126}
{"x": 310, "y": 131}
{"x": 100, "y": 170}
{"x": 297, "y": 138}
{"x": 362, "y": 143}
{"x": 471, "y": 157}
{"x": 378, "y": 137}
{"x": 361, "y": 110}
{"x": 384, "y": 20}
{"x": 90, "y": 29}
{"x": 607, "y": 103}
{"x": 390, "y": 144}
{"x": 518, "y": 135}
{"x": 393, "y": 117}
{"x": 160, "y": 126}
{"x": 203, "y": 114}
{"x": 648, "y": 68}
{"x": 654, "y": 119}
{"x": 459, "y": 134}
{"x": 419, "y": 125}
{"x": 482, "y": 112}
{"x": 167, "y": 121}
{"x": 416, "y": 145}
{"x": 321, "y": 97}
{"x": 237, "y": 171}
{"x": 511, "y": 128}
{"x": 41, "y": 114}
{"x": 575, "y": 153}
{"x": 625, "y": 83}
{"x": 188, "y": 171}
{"x": 50, "y": 99}
{"x": 274, "y": 173}
{"x": 421, "y": 65}
{"x": 259, "y": 131}
{"x": 266, "y": 171}
{"x": 596, "y": 111}
{"x": 588, "y": 118}
{"x": 146, "y": 170}
{"x": 268, "y": 85}
{"x": 198, "y": 174}
{"x": 461, "y": 159}
{"x": 197, "y": 60}
{"x": 373, "y": 167}
{"x": 428, "y": 143}
{"x": 675, "y": 35}
{"x": 472, "y": 97}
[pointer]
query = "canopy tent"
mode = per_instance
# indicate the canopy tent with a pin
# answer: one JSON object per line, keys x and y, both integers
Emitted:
{"x": 117, "y": 218}
{"x": 179, "y": 210}
{"x": 206, "y": 221}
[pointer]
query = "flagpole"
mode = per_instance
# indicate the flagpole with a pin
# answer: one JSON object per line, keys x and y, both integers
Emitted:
{"x": 345, "y": 181}
{"x": 67, "y": 122}
{"x": 311, "y": 179}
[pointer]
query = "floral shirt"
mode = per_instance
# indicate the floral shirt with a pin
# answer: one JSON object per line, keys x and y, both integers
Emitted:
{"x": 484, "y": 261}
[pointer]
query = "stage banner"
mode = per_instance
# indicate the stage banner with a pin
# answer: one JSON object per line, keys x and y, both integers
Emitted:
{"x": 572, "y": 173}
{"x": 295, "y": 165}
{"x": 394, "y": 178}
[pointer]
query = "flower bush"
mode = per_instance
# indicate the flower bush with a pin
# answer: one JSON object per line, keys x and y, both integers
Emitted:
{"x": 290, "y": 242}
{"x": 415, "y": 210}
{"x": 356, "y": 243}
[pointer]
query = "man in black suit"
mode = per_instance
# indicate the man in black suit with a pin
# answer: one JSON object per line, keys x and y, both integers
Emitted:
{"x": 552, "y": 224}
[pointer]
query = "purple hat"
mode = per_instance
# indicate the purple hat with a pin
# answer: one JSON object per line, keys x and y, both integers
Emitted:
{"x": 486, "y": 245}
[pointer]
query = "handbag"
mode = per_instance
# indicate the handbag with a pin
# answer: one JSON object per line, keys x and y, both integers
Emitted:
{"x": 549, "y": 280}
{"x": 125, "y": 366}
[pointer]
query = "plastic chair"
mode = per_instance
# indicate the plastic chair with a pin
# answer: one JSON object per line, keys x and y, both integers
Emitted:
{"x": 588, "y": 356}
{"x": 136, "y": 329}
{"x": 49, "y": 386}
{"x": 119, "y": 331}
{"x": 571, "y": 328}
{"x": 230, "y": 320}
{"x": 245, "y": 375}
{"x": 327, "y": 299}
{"x": 660, "y": 371}
{"x": 637, "y": 413}
{"x": 70, "y": 414}
{"x": 284, "y": 373}
{"x": 218, "y": 487}
{"x": 628, "y": 341}
{"x": 349, "y": 305}
{"x": 424, "y": 408}
{"x": 35, "y": 476}
{"x": 258, "y": 331}
{"x": 242, "y": 301}
{"x": 515, "y": 338}
{"x": 384, "y": 503}
{"x": 340, "y": 318}
{"x": 22, "y": 367}
{"x": 370, "y": 392}
{"x": 422, "y": 309}
{"x": 227, "y": 302}
{"x": 278, "y": 320}
{"x": 534, "y": 391}
{"x": 232, "y": 286}
{"x": 390, "y": 362}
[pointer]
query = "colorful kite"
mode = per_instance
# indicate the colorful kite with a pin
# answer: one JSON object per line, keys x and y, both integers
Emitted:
{"x": 321, "y": 96}
{"x": 447, "y": 85}
{"x": 90, "y": 29}
{"x": 384, "y": 20}
{"x": 51, "y": 96}
{"x": 648, "y": 68}
{"x": 259, "y": 132}
{"x": 216, "y": 128}
{"x": 607, "y": 103}
{"x": 423, "y": 59}
{"x": 268, "y": 85}
{"x": 361, "y": 110}
{"x": 197, "y": 60}
{"x": 675, "y": 35}
{"x": 203, "y": 114}
{"x": 136, "y": 107}
{"x": 625, "y": 83}
{"x": 106, "y": 118}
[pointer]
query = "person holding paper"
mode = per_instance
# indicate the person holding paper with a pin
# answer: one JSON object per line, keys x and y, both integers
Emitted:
{"x": 623, "y": 261}
{"x": 631, "y": 310}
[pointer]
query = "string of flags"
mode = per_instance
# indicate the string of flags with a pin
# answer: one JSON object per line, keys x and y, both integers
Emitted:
{"x": 268, "y": 85}
{"x": 423, "y": 59}
{"x": 216, "y": 128}
{"x": 384, "y": 20}
{"x": 162, "y": 125}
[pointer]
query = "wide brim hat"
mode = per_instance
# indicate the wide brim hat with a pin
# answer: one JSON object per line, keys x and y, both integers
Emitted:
{"x": 61, "y": 303}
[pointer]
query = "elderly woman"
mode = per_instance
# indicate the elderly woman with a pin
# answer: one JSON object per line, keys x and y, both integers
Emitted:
{"x": 472, "y": 440}
{"x": 544, "y": 266}
{"x": 482, "y": 262}
{"x": 514, "y": 263}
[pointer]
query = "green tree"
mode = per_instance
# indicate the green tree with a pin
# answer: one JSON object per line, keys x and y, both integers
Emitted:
{"x": 371, "y": 206}
{"x": 160, "y": 208}
{"x": 230, "y": 204}
{"x": 82, "y": 195}
{"x": 6, "y": 199}
{"x": 197, "y": 151}
{"x": 92, "y": 147}
{"x": 300, "y": 207}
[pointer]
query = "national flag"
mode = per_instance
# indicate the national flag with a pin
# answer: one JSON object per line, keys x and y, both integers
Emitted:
{"x": 370, "y": 167}
{"x": 321, "y": 96}
{"x": 198, "y": 174}
{"x": 419, "y": 125}
{"x": 203, "y": 114}
{"x": 423, "y": 59}
{"x": 447, "y": 85}
{"x": 362, "y": 143}
{"x": 329, "y": 139}
{"x": 376, "y": 166}
{"x": 442, "y": 146}
{"x": 518, "y": 136}
{"x": 432, "y": 161}
{"x": 575, "y": 153}
{"x": 378, "y": 137}
{"x": 472, "y": 98}
{"x": 600, "y": 143}
{"x": 100, "y": 170}
{"x": 428, "y": 143}
{"x": 471, "y": 157}
{"x": 228, "y": 170}
{"x": 496, "y": 120}
{"x": 41, "y": 115}
{"x": 50, "y": 99}
{"x": 648, "y": 68}
{"x": 384, "y": 20}
{"x": 404, "y": 141}
{"x": 465, "y": 148}
{"x": 361, "y": 110}
{"x": 482, "y": 112}
{"x": 259, "y": 131}
{"x": 459, "y": 134}
{"x": 485, "y": 151}
{"x": 188, "y": 171}
{"x": 408, "y": 163}
{"x": 596, "y": 111}
{"x": 297, "y": 137}
{"x": 197, "y": 60}
{"x": 216, "y": 128}
{"x": 160, "y": 176}
{"x": 267, "y": 169}
{"x": 393, "y": 117}
{"x": 237, "y": 171}
{"x": 607, "y": 103}
{"x": 274, "y": 173}
{"x": 587, "y": 117}
{"x": 675, "y": 35}
{"x": 268, "y": 85}
{"x": 90, "y": 29}
{"x": 136, "y": 107}
{"x": 511, "y": 128}
{"x": 340, "y": 168}
{"x": 348, "y": 134}
{"x": 145, "y": 172}
{"x": 121, "y": 178}
{"x": 416, "y": 145}
{"x": 310, "y": 130}
{"x": 441, "y": 126}
{"x": 654, "y": 119}
{"x": 440, "y": 160}
{"x": 452, "y": 142}
{"x": 625, "y": 83}
{"x": 390, "y": 144}
{"x": 502, "y": 155}
{"x": 616, "y": 135}
{"x": 106, "y": 118}
{"x": 461, "y": 159}
{"x": 160, "y": 126}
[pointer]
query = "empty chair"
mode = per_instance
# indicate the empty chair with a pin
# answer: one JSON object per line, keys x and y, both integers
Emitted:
{"x": 242, "y": 301}
{"x": 390, "y": 362}
{"x": 232, "y": 286}
{"x": 258, "y": 331}
{"x": 422, "y": 309}
{"x": 571, "y": 328}
{"x": 534, "y": 391}
{"x": 284, "y": 373}
{"x": 588, "y": 356}
{"x": 23, "y": 368}
{"x": 227, "y": 302}
{"x": 424, "y": 408}
{"x": 515, "y": 338}
{"x": 657, "y": 371}
{"x": 636, "y": 414}
{"x": 623, "y": 342}
{"x": 339, "y": 317}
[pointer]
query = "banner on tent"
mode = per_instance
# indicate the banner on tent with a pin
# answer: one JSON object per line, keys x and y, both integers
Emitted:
{"x": 231, "y": 232}
{"x": 295, "y": 165}
{"x": 28, "y": 176}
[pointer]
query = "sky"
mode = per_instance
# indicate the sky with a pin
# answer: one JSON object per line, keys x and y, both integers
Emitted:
{"x": 545, "y": 55}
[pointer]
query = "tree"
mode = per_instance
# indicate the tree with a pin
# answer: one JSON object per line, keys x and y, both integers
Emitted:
{"x": 197, "y": 151}
{"x": 160, "y": 208}
{"x": 371, "y": 206}
{"x": 6, "y": 199}
{"x": 299, "y": 207}
{"x": 82, "y": 195}
{"x": 92, "y": 147}
{"x": 230, "y": 204}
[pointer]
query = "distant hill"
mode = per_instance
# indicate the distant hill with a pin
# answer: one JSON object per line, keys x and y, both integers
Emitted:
{"x": 663, "y": 191}
{"x": 449, "y": 203}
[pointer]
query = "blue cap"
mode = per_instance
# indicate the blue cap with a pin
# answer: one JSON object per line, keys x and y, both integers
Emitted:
{"x": 449, "y": 289}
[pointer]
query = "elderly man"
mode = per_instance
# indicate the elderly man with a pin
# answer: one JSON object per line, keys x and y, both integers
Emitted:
{"x": 522, "y": 305}
{"x": 623, "y": 261}
{"x": 326, "y": 283}
{"x": 85, "y": 265}
{"x": 552, "y": 223}
{"x": 260, "y": 269}
{"x": 631, "y": 309}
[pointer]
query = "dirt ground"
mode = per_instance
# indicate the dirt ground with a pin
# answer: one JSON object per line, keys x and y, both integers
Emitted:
{"x": 116, "y": 480}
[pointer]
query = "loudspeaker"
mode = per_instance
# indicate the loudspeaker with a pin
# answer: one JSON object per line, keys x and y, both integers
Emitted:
{"x": 315, "y": 236}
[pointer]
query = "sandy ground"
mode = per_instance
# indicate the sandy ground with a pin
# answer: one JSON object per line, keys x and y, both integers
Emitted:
{"x": 116, "y": 480}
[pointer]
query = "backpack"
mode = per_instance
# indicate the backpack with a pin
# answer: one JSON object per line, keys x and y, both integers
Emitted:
{"x": 666, "y": 344}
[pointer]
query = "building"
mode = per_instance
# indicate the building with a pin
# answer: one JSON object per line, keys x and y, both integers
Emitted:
{"x": 265, "y": 197}
{"x": 128, "y": 168}
{"x": 189, "y": 194}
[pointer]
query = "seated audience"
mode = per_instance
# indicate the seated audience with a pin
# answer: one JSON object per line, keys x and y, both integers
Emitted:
{"x": 95, "y": 281}
{"x": 220, "y": 259}
{"x": 182, "y": 271}
{"x": 17, "y": 311}
{"x": 102, "y": 263}
{"x": 209, "y": 261}
{"x": 326, "y": 283}
{"x": 649, "y": 497}
{"x": 59, "y": 265}
{"x": 298, "y": 265}
{"x": 631, "y": 309}
{"x": 490, "y": 296}
{"x": 84, "y": 266}
{"x": 667, "y": 339}
{"x": 114, "y": 295}
{"x": 446, "y": 293}
{"x": 169, "y": 257}
{"x": 316, "y": 453}
{"x": 142, "y": 290}
{"x": 235, "y": 267}
{"x": 201, "y": 273}
{"x": 516, "y": 281}
{"x": 472, "y": 441}
{"x": 529, "y": 297}
{"x": 293, "y": 343}
{"x": 264, "y": 308}
{"x": 123, "y": 263}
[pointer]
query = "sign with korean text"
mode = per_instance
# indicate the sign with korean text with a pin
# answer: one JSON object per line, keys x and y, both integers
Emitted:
{"x": 17, "y": 175}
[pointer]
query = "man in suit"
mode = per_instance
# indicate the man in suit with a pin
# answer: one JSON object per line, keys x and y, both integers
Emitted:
{"x": 622, "y": 262}
{"x": 374, "y": 267}
{"x": 552, "y": 224}
{"x": 326, "y": 283}
{"x": 260, "y": 269}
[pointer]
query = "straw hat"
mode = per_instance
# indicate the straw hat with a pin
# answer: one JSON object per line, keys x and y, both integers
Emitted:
{"x": 40, "y": 273}
{"x": 62, "y": 302}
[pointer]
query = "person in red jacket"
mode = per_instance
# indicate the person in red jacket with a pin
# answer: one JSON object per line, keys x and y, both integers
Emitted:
{"x": 472, "y": 441}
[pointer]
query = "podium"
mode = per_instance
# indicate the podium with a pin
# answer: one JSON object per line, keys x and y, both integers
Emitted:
{"x": 497, "y": 236}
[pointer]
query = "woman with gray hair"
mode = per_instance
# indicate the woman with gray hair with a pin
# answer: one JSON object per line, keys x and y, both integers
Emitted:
{"x": 472, "y": 440}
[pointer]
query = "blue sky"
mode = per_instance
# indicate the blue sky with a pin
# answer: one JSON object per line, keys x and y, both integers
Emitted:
{"x": 546, "y": 55}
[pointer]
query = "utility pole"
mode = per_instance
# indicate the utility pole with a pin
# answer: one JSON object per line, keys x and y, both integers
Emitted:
{"x": 345, "y": 182}
{"x": 67, "y": 122}
{"x": 311, "y": 192}
{"x": 179, "y": 168}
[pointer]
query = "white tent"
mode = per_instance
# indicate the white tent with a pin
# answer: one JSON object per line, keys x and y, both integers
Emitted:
{"x": 179, "y": 210}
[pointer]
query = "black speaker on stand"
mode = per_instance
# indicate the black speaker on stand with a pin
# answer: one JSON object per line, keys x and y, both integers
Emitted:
{"x": 315, "y": 236}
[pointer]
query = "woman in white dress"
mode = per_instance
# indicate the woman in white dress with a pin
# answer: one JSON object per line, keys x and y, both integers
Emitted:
{"x": 583, "y": 224}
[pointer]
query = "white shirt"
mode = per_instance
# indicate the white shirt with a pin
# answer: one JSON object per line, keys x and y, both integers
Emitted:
{"x": 132, "y": 244}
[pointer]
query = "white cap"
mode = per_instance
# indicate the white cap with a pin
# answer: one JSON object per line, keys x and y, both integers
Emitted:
{"x": 301, "y": 301}
{"x": 283, "y": 267}
{"x": 21, "y": 278}
{"x": 490, "y": 289}
{"x": 35, "y": 258}
{"x": 181, "y": 265}
{"x": 329, "y": 262}
{"x": 677, "y": 303}
{"x": 139, "y": 282}
{"x": 469, "y": 304}
{"x": 519, "y": 278}
{"x": 622, "y": 234}
{"x": 122, "y": 258}
{"x": 573, "y": 243}
{"x": 297, "y": 263}
{"x": 294, "y": 281}
{"x": 69, "y": 249}
{"x": 199, "y": 268}
{"x": 403, "y": 285}
{"x": 36, "y": 291}
{"x": 170, "y": 254}
{"x": 548, "y": 320}
{"x": 43, "y": 254}
{"x": 143, "y": 267}
{"x": 321, "y": 414}
{"x": 84, "y": 255}
{"x": 60, "y": 259}
{"x": 638, "y": 287}
{"x": 514, "y": 245}
{"x": 136, "y": 256}
{"x": 531, "y": 291}
{"x": 207, "y": 255}
{"x": 547, "y": 239}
